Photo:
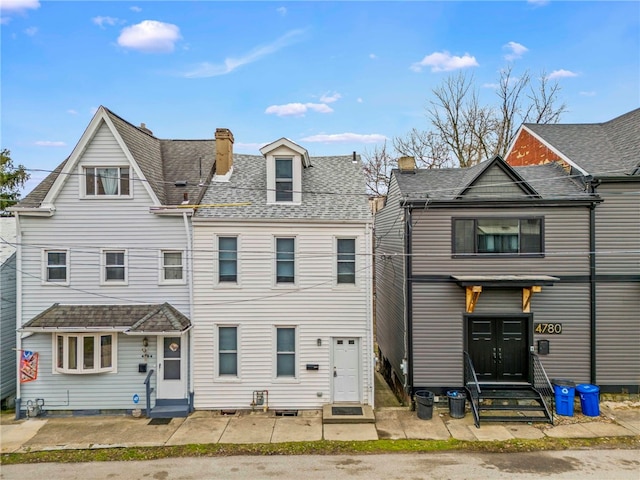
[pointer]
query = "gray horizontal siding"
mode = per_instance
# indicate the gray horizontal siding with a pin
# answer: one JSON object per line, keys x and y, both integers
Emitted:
{"x": 102, "y": 391}
{"x": 566, "y": 243}
{"x": 390, "y": 273}
{"x": 618, "y": 334}
{"x": 438, "y": 329}
{"x": 8, "y": 327}
{"x": 618, "y": 230}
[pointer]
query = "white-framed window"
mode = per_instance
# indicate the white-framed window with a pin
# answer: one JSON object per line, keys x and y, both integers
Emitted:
{"x": 84, "y": 353}
{"x": 286, "y": 352}
{"x": 346, "y": 261}
{"x": 284, "y": 179}
{"x": 55, "y": 266}
{"x": 227, "y": 351}
{"x": 228, "y": 259}
{"x": 172, "y": 267}
{"x": 285, "y": 260}
{"x": 114, "y": 266}
{"x": 107, "y": 181}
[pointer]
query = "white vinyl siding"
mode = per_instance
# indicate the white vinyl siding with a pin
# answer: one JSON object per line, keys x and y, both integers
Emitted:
{"x": 318, "y": 308}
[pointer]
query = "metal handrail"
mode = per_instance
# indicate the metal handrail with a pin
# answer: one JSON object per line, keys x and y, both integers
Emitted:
{"x": 472, "y": 387}
{"x": 542, "y": 385}
{"x": 149, "y": 390}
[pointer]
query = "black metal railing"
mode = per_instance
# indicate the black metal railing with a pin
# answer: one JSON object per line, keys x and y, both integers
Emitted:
{"x": 472, "y": 387}
{"x": 149, "y": 390}
{"x": 542, "y": 385}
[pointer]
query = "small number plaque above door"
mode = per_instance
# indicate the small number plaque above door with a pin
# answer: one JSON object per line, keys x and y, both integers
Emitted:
{"x": 547, "y": 328}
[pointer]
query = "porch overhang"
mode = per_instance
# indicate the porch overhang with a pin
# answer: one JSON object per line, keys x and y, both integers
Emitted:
{"x": 530, "y": 284}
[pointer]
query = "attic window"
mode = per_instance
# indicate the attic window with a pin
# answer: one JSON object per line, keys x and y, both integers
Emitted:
{"x": 284, "y": 179}
{"x": 107, "y": 181}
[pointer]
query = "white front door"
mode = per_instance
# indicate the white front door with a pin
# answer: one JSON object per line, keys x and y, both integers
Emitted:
{"x": 171, "y": 367}
{"x": 346, "y": 370}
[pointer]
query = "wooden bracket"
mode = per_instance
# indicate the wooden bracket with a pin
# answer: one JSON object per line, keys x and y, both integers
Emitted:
{"x": 473, "y": 293}
{"x": 527, "y": 293}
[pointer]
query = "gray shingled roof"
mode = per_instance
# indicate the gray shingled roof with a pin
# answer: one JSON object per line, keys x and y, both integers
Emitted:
{"x": 550, "y": 181}
{"x": 602, "y": 149}
{"x": 333, "y": 188}
{"x": 163, "y": 162}
{"x": 129, "y": 318}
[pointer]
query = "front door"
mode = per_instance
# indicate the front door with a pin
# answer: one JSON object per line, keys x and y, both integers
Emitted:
{"x": 346, "y": 370}
{"x": 499, "y": 348}
{"x": 171, "y": 374}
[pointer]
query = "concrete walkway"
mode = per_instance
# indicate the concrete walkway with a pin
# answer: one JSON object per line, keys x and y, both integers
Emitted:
{"x": 202, "y": 427}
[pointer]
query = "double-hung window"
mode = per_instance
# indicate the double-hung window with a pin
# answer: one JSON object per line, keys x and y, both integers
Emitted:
{"x": 115, "y": 268}
{"x": 284, "y": 179}
{"x": 228, "y": 259}
{"x": 346, "y": 260}
{"x": 285, "y": 260}
{"x": 56, "y": 266}
{"x": 112, "y": 181}
{"x": 285, "y": 352}
{"x": 85, "y": 353}
{"x": 498, "y": 236}
{"x": 228, "y": 351}
{"x": 172, "y": 266}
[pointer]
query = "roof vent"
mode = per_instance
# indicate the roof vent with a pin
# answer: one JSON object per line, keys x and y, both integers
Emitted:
{"x": 180, "y": 183}
{"x": 144, "y": 128}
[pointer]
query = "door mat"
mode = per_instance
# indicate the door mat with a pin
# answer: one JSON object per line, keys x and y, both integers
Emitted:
{"x": 159, "y": 421}
{"x": 346, "y": 411}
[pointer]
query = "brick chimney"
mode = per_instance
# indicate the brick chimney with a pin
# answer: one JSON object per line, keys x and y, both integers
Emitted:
{"x": 407, "y": 164}
{"x": 224, "y": 151}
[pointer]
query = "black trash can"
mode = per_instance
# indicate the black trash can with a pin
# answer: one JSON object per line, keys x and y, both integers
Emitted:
{"x": 457, "y": 403}
{"x": 424, "y": 404}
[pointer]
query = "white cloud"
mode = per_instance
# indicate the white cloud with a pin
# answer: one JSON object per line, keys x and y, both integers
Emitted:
{"x": 297, "y": 109}
{"x": 515, "y": 51}
{"x": 538, "y": 3}
{"x": 71, "y": 111}
{"x": 346, "y": 137}
{"x": 48, "y": 143}
{"x": 17, "y": 6}
{"x": 326, "y": 98}
{"x": 445, "y": 62}
{"x": 588, "y": 94}
{"x": 150, "y": 36}
{"x": 490, "y": 85}
{"x": 359, "y": 100}
{"x": 373, "y": 56}
{"x": 562, "y": 74}
{"x": 102, "y": 21}
{"x": 282, "y": 10}
{"x": 206, "y": 69}
{"x": 248, "y": 147}
{"x": 135, "y": 9}
{"x": 31, "y": 31}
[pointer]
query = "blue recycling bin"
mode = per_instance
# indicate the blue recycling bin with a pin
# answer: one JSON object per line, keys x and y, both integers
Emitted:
{"x": 565, "y": 393}
{"x": 589, "y": 399}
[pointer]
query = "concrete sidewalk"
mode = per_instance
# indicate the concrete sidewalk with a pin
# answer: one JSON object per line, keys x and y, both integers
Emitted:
{"x": 202, "y": 427}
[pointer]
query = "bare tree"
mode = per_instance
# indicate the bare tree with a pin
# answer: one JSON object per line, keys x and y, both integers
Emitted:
{"x": 428, "y": 149}
{"x": 471, "y": 132}
{"x": 378, "y": 164}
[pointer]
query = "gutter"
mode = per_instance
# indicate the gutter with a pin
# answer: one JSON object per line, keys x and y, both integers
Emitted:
{"x": 592, "y": 292}
{"x": 408, "y": 373}
{"x": 189, "y": 272}
{"x": 18, "y": 309}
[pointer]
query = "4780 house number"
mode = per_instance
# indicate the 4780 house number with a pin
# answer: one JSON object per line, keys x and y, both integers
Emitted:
{"x": 548, "y": 328}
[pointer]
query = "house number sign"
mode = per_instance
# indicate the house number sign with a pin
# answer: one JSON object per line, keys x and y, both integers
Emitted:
{"x": 548, "y": 328}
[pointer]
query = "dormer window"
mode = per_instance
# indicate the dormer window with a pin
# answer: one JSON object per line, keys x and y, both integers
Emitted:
{"x": 284, "y": 179}
{"x": 285, "y": 164}
{"x": 108, "y": 181}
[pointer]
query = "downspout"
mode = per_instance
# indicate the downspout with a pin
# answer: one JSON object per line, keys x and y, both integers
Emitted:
{"x": 408, "y": 301}
{"x": 592, "y": 290}
{"x": 18, "y": 310}
{"x": 189, "y": 272}
{"x": 369, "y": 313}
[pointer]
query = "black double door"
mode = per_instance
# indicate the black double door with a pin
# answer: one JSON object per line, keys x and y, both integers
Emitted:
{"x": 499, "y": 348}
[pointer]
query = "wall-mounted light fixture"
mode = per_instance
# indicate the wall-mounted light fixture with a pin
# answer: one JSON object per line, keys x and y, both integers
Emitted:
{"x": 145, "y": 342}
{"x": 319, "y": 342}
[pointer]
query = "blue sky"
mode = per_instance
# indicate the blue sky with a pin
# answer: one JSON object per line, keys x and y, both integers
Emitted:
{"x": 335, "y": 77}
